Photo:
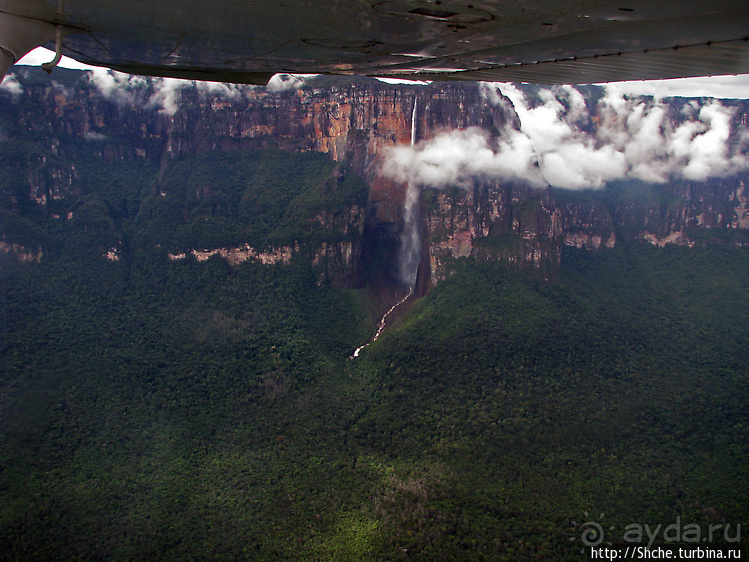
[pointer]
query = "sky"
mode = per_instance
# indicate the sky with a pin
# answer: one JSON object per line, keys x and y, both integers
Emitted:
{"x": 725, "y": 87}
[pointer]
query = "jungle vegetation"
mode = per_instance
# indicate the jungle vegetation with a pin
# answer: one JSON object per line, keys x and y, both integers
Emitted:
{"x": 185, "y": 410}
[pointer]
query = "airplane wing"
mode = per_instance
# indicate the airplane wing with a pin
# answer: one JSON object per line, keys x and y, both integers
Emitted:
{"x": 247, "y": 41}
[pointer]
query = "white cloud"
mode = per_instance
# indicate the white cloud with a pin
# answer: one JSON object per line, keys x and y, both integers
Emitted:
{"x": 454, "y": 158}
{"x": 126, "y": 89}
{"x": 703, "y": 145}
{"x": 656, "y": 147}
{"x": 554, "y": 144}
{"x": 282, "y": 82}
{"x": 160, "y": 93}
{"x": 11, "y": 85}
{"x": 166, "y": 94}
{"x": 227, "y": 91}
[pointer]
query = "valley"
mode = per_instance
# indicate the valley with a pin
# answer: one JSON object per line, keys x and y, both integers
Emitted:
{"x": 184, "y": 279}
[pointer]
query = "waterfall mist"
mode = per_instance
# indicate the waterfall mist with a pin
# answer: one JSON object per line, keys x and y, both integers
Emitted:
{"x": 409, "y": 252}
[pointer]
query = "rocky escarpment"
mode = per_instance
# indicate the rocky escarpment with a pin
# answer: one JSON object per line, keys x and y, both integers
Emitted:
{"x": 515, "y": 224}
{"x": 361, "y": 117}
{"x": 530, "y": 227}
{"x": 58, "y": 134}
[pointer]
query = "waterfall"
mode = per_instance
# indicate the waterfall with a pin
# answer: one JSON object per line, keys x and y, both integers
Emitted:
{"x": 409, "y": 251}
{"x": 413, "y": 123}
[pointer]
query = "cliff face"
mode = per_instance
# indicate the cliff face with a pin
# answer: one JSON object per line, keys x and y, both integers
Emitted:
{"x": 489, "y": 222}
{"x": 360, "y": 117}
{"x": 52, "y": 131}
{"x": 529, "y": 227}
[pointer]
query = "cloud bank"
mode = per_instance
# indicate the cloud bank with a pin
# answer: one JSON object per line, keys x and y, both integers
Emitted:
{"x": 564, "y": 143}
{"x": 561, "y": 141}
{"x": 156, "y": 93}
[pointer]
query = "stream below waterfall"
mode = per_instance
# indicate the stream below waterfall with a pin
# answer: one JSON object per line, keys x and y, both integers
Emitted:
{"x": 381, "y": 325}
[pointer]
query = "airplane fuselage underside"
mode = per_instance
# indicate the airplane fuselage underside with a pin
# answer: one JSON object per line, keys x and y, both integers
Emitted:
{"x": 543, "y": 41}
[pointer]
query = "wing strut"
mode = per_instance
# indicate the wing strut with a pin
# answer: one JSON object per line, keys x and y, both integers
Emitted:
{"x": 48, "y": 66}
